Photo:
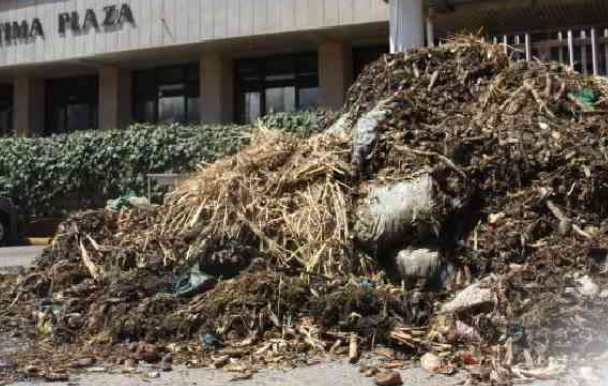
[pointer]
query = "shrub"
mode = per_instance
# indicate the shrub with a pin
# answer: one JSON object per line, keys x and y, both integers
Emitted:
{"x": 45, "y": 176}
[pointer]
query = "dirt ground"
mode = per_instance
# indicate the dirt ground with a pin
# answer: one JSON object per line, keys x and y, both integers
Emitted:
{"x": 322, "y": 374}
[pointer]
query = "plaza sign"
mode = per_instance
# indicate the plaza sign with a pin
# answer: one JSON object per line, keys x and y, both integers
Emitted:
{"x": 109, "y": 16}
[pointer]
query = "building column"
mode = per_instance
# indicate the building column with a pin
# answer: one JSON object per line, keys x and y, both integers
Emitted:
{"x": 216, "y": 89}
{"x": 29, "y": 106}
{"x": 335, "y": 73}
{"x": 115, "y": 98}
{"x": 430, "y": 32}
{"x": 406, "y": 24}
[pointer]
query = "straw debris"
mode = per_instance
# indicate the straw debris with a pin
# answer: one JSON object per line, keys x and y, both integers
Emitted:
{"x": 505, "y": 163}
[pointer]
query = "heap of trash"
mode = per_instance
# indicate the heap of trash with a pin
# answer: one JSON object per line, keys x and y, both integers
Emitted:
{"x": 455, "y": 214}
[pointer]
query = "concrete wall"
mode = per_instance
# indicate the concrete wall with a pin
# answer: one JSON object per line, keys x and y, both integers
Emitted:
{"x": 115, "y": 98}
{"x": 29, "y": 102}
{"x": 171, "y": 22}
{"x": 335, "y": 73}
{"x": 216, "y": 89}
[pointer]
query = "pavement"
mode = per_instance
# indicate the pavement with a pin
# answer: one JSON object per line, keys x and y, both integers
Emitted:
{"x": 15, "y": 257}
{"x": 327, "y": 374}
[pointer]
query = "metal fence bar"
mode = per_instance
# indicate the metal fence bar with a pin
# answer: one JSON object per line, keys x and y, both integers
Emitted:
{"x": 571, "y": 48}
{"x": 594, "y": 53}
{"x": 606, "y": 57}
{"x": 583, "y": 45}
{"x": 564, "y": 46}
{"x": 430, "y": 32}
{"x": 560, "y": 51}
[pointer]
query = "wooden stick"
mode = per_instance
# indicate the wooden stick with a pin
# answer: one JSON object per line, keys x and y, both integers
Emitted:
{"x": 353, "y": 349}
{"x": 565, "y": 224}
{"x": 94, "y": 270}
{"x": 443, "y": 158}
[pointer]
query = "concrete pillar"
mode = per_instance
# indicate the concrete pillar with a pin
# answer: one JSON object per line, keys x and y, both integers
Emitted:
{"x": 216, "y": 89}
{"x": 29, "y": 106}
{"x": 406, "y": 24}
{"x": 335, "y": 73}
{"x": 115, "y": 98}
{"x": 430, "y": 32}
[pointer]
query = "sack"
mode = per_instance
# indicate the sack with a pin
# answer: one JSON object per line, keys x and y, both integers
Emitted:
{"x": 365, "y": 134}
{"x": 416, "y": 264}
{"x": 398, "y": 214}
{"x": 342, "y": 125}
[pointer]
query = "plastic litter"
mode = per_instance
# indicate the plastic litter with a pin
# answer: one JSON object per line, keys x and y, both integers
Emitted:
{"x": 586, "y": 97}
{"x": 128, "y": 200}
{"x": 209, "y": 340}
{"x": 417, "y": 264}
{"x": 369, "y": 284}
{"x": 473, "y": 299}
{"x": 397, "y": 214}
{"x": 433, "y": 364}
{"x": 341, "y": 125}
{"x": 192, "y": 282}
{"x": 46, "y": 307}
{"x": 365, "y": 134}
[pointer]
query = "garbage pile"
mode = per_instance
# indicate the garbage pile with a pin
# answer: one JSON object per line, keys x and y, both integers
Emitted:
{"x": 455, "y": 213}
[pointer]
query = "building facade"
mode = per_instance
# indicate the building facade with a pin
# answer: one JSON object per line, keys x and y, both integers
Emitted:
{"x": 69, "y": 65}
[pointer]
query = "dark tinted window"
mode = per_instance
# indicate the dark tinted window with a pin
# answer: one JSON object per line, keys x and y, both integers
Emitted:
{"x": 363, "y": 56}
{"x": 276, "y": 84}
{"x": 166, "y": 95}
{"x": 71, "y": 104}
{"x": 6, "y": 110}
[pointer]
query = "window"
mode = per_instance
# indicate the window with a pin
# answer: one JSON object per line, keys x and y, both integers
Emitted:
{"x": 167, "y": 95}
{"x": 6, "y": 110}
{"x": 278, "y": 84}
{"x": 363, "y": 56}
{"x": 71, "y": 104}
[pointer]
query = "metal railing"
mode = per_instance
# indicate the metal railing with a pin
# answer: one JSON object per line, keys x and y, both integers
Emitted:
{"x": 585, "y": 48}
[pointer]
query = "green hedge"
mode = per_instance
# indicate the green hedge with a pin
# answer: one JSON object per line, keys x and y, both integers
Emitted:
{"x": 43, "y": 175}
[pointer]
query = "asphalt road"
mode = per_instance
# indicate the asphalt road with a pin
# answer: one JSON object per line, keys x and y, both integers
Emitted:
{"x": 14, "y": 257}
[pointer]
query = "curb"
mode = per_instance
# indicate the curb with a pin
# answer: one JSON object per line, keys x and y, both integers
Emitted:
{"x": 40, "y": 241}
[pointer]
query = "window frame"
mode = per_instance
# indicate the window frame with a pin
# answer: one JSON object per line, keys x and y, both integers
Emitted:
{"x": 57, "y": 94}
{"x": 259, "y": 83}
{"x": 152, "y": 92}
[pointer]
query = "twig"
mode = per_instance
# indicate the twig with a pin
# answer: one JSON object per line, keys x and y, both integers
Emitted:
{"x": 548, "y": 86}
{"x": 443, "y": 158}
{"x": 434, "y": 78}
{"x": 560, "y": 93}
{"x": 541, "y": 103}
{"x": 353, "y": 349}
{"x": 12, "y": 304}
{"x": 514, "y": 95}
{"x": 88, "y": 263}
{"x": 581, "y": 232}
{"x": 565, "y": 224}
